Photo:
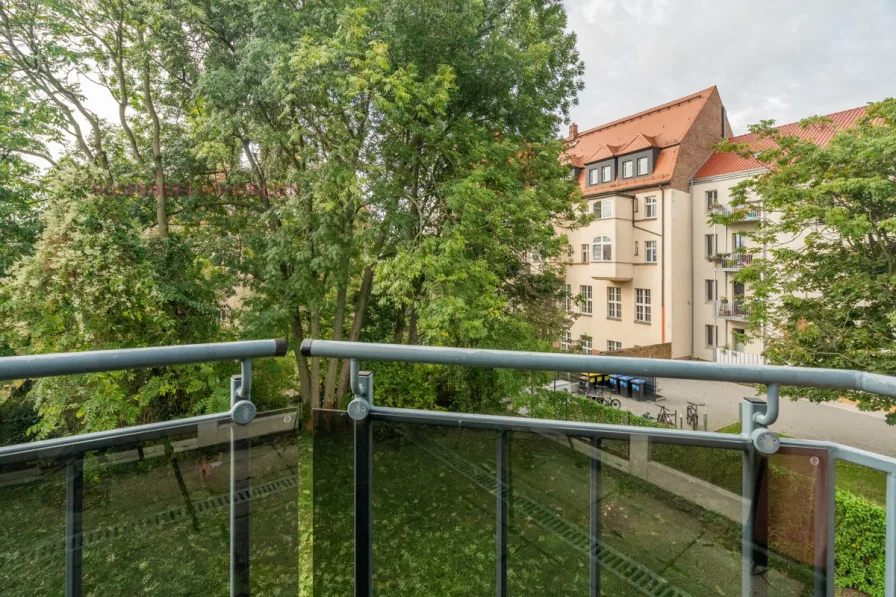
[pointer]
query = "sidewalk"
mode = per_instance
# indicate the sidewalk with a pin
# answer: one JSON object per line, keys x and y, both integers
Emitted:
{"x": 836, "y": 422}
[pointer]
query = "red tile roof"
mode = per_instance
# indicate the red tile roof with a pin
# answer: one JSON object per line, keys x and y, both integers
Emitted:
{"x": 720, "y": 162}
{"x": 662, "y": 127}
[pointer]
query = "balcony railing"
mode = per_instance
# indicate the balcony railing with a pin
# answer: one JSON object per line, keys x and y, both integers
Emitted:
{"x": 736, "y": 309}
{"x": 749, "y": 213}
{"x": 415, "y": 502}
{"x": 730, "y": 261}
{"x": 736, "y": 357}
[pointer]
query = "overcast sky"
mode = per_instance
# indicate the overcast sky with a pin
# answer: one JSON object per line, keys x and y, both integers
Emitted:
{"x": 771, "y": 59}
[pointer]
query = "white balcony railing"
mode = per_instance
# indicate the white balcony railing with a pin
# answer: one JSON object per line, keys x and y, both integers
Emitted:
{"x": 736, "y": 357}
{"x": 731, "y": 261}
{"x": 736, "y": 309}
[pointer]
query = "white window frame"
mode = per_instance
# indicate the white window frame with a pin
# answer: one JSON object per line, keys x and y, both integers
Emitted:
{"x": 650, "y": 207}
{"x": 628, "y": 169}
{"x": 614, "y": 302}
{"x": 586, "y": 250}
{"x": 602, "y": 248}
{"x": 613, "y": 346}
{"x": 642, "y": 305}
{"x": 593, "y": 177}
{"x": 603, "y": 209}
{"x": 566, "y": 341}
{"x": 567, "y": 299}
{"x": 711, "y": 197}
{"x": 585, "y": 341}
{"x": 606, "y": 173}
{"x": 650, "y": 251}
{"x": 646, "y": 166}
{"x": 587, "y": 304}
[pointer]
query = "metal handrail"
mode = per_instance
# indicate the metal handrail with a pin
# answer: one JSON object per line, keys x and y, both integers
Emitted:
{"x": 843, "y": 379}
{"x": 95, "y": 361}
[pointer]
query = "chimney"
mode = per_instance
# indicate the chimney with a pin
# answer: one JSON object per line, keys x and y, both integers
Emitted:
{"x": 573, "y": 131}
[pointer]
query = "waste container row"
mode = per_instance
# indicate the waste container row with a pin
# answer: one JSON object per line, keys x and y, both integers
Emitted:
{"x": 624, "y": 385}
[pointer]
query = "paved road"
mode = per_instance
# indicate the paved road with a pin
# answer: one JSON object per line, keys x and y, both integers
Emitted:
{"x": 828, "y": 421}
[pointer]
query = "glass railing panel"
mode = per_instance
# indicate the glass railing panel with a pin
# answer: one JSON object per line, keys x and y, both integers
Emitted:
{"x": 549, "y": 499}
{"x": 860, "y": 529}
{"x": 32, "y": 529}
{"x": 156, "y": 515}
{"x": 333, "y": 494}
{"x": 434, "y": 512}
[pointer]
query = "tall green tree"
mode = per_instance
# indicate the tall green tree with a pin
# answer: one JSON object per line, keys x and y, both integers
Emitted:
{"x": 824, "y": 290}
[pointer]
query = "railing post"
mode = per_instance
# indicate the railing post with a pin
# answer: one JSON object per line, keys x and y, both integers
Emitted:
{"x": 501, "y": 493}
{"x": 74, "y": 531}
{"x": 240, "y": 470}
{"x": 595, "y": 516}
{"x": 754, "y": 542}
{"x": 890, "y": 574}
{"x": 362, "y": 386}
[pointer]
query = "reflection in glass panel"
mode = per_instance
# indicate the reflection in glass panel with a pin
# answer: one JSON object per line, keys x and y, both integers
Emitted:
{"x": 434, "y": 510}
{"x": 156, "y": 515}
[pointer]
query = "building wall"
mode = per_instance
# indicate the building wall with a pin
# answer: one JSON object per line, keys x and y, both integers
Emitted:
{"x": 708, "y": 129}
{"x": 704, "y": 310}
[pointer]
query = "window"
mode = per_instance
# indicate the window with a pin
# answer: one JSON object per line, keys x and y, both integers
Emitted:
{"x": 712, "y": 197}
{"x": 585, "y": 293}
{"x": 614, "y": 302}
{"x": 650, "y": 207}
{"x": 592, "y": 176}
{"x": 607, "y": 173}
{"x": 627, "y": 169}
{"x": 636, "y": 248}
{"x": 710, "y": 244}
{"x": 585, "y": 341}
{"x": 567, "y": 298}
{"x": 536, "y": 257}
{"x": 642, "y": 166}
{"x": 642, "y": 305}
{"x": 602, "y": 248}
{"x": 565, "y": 341}
{"x": 603, "y": 209}
{"x": 650, "y": 251}
{"x": 613, "y": 345}
{"x": 738, "y": 240}
{"x": 739, "y": 339}
{"x": 710, "y": 290}
{"x": 711, "y": 334}
{"x": 585, "y": 252}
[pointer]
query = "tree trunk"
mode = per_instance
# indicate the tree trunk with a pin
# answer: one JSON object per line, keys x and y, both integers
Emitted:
{"x": 332, "y": 365}
{"x": 161, "y": 191}
{"x": 308, "y": 403}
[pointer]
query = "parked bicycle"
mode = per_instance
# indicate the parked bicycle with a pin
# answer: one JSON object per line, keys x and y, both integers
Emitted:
{"x": 665, "y": 417}
{"x": 693, "y": 415}
{"x": 605, "y": 399}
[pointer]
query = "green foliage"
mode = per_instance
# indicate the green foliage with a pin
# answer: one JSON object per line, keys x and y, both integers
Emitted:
{"x": 825, "y": 294}
{"x": 859, "y": 544}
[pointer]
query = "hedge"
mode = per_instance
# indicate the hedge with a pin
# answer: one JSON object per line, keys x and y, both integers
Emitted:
{"x": 859, "y": 544}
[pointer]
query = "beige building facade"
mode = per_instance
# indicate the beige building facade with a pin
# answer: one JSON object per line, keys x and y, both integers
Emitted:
{"x": 651, "y": 268}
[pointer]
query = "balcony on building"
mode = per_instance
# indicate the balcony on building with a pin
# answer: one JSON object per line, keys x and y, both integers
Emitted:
{"x": 738, "y": 310}
{"x": 613, "y": 271}
{"x": 730, "y": 262}
{"x": 747, "y": 214}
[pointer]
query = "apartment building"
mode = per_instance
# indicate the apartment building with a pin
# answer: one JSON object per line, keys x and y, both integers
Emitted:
{"x": 632, "y": 266}
{"x": 721, "y": 304}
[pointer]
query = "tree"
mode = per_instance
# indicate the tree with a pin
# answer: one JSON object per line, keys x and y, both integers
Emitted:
{"x": 824, "y": 291}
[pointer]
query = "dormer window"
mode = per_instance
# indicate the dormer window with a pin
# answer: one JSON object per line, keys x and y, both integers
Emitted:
{"x": 592, "y": 176}
{"x": 627, "y": 169}
{"x": 607, "y": 173}
{"x": 642, "y": 166}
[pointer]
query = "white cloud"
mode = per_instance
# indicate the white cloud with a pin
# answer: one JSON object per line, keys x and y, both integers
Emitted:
{"x": 772, "y": 59}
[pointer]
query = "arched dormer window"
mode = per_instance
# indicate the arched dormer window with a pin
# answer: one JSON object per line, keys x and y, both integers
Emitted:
{"x": 602, "y": 248}
{"x": 603, "y": 209}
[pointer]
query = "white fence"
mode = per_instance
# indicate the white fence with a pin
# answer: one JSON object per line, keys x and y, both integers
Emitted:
{"x": 734, "y": 357}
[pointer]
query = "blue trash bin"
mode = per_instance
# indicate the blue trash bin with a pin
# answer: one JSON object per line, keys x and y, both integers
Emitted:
{"x": 638, "y": 386}
{"x": 625, "y": 388}
{"x": 614, "y": 383}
